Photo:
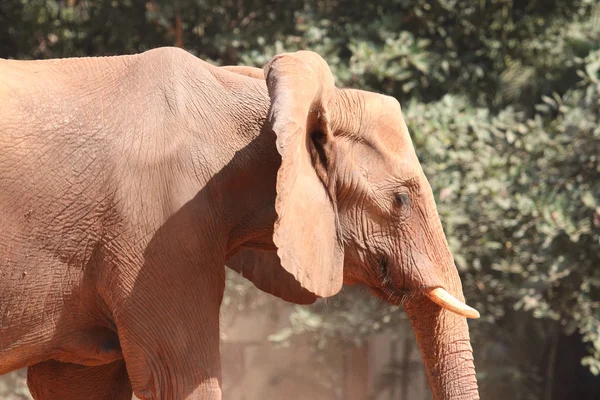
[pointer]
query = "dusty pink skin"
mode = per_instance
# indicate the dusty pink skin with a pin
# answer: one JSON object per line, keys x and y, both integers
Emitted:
{"x": 127, "y": 183}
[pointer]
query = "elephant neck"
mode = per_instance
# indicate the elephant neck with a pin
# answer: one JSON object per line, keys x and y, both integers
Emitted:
{"x": 247, "y": 163}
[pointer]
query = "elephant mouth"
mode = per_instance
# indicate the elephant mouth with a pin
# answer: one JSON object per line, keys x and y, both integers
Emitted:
{"x": 385, "y": 285}
{"x": 398, "y": 296}
{"x": 437, "y": 295}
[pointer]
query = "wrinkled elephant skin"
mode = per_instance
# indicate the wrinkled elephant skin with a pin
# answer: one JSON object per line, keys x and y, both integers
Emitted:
{"x": 127, "y": 183}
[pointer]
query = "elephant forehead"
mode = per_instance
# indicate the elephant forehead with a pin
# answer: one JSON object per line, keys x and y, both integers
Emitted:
{"x": 376, "y": 121}
{"x": 391, "y": 130}
{"x": 377, "y": 164}
{"x": 382, "y": 122}
{"x": 389, "y": 138}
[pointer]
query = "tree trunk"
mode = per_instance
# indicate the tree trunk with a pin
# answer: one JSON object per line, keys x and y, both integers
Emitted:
{"x": 406, "y": 369}
{"x": 551, "y": 362}
{"x": 357, "y": 373}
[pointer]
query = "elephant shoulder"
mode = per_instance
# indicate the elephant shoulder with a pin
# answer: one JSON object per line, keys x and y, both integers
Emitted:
{"x": 173, "y": 60}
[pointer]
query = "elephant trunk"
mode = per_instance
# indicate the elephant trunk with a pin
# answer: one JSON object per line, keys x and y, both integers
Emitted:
{"x": 443, "y": 335}
{"x": 443, "y": 339}
{"x": 438, "y": 319}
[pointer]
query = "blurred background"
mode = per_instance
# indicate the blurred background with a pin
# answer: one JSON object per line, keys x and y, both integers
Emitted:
{"x": 502, "y": 98}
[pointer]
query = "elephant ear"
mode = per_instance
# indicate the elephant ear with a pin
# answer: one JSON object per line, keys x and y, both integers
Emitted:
{"x": 264, "y": 270}
{"x": 306, "y": 232}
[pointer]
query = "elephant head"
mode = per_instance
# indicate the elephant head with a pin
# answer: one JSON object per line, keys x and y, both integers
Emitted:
{"x": 354, "y": 206}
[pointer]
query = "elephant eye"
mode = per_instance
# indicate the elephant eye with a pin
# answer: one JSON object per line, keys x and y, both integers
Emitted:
{"x": 402, "y": 199}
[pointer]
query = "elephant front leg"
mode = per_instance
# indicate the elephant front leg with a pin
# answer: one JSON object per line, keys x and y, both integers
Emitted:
{"x": 54, "y": 380}
{"x": 168, "y": 327}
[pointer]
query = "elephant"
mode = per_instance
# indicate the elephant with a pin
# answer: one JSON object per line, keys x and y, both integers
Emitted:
{"x": 129, "y": 183}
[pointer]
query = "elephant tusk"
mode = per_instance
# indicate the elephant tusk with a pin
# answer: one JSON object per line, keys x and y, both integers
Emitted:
{"x": 445, "y": 300}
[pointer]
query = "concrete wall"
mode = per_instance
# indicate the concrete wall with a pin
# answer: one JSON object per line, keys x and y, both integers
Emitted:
{"x": 257, "y": 369}
{"x": 254, "y": 368}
